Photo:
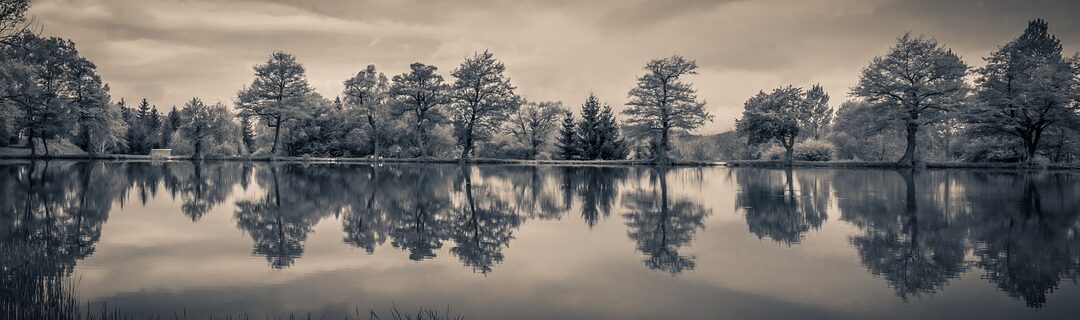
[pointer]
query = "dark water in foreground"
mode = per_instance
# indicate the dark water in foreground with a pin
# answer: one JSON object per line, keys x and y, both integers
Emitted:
{"x": 496, "y": 242}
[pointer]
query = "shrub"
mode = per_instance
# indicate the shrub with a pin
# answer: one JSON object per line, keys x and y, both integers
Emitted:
{"x": 814, "y": 150}
{"x": 772, "y": 152}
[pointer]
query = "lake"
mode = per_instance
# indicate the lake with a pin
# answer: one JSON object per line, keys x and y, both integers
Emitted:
{"x": 540, "y": 242}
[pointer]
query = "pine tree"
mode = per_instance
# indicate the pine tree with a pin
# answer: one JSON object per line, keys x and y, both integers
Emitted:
{"x": 614, "y": 147}
{"x": 592, "y": 139}
{"x": 599, "y": 132}
{"x": 153, "y": 128}
{"x": 568, "y": 140}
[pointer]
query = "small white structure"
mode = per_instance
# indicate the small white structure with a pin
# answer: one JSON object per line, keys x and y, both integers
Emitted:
{"x": 158, "y": 154}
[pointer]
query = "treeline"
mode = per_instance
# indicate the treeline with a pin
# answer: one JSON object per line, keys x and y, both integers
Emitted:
{"x": 916, "y": 103}
{"x": 53, "y": 93}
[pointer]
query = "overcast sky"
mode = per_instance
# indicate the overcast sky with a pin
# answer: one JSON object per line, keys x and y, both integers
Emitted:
{"x": 171, "y": 50}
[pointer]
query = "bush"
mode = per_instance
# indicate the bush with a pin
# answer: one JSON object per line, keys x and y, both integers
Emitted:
{"x": 773, "y": 152}
{"x": 814, "y": 150}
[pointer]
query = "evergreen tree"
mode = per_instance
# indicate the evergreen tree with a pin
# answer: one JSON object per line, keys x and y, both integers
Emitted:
{"x": 153, "y": 128}
{"x": 588, "y": 129}
{"x": 614, "y": 147}
{"x": 598, "y": 132}
{"x": 568, "y": 139}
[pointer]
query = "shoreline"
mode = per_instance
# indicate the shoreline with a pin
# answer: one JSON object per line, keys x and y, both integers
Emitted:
{"x": 147, "y": 158}
{"x": 682, "y": 163}
{"x": 893, "y": 165}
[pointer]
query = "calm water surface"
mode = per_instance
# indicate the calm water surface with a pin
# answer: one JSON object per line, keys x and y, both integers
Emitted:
{"x": 524, "y": 242}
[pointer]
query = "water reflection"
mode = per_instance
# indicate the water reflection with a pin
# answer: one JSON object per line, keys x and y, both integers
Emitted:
{"x": 776, "y": 209}
{"x": 661, "y": 224}
{"x": 918, "y": 231}
{"x": 908, "y": 235}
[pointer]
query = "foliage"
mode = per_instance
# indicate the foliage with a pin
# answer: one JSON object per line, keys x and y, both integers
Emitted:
{"x": 277, "y": 94}
{"x": 419, "y": 93}
{"x": 567, "y": 144}
{"x": 598, "y": 132}
{"x": 204, "y": 125}
{"x": 814, "y": 150}
{"x": 661, "y": 102}
{"x": 1026, "y": 87}
{"x": 817, "y": 115}
{"x": 482, "y": 100}
{"x": 775, "y": 116}
{"x": 917, "y": 82}
{"x": 534, "y": 123}
{"x": 367, "y": 95}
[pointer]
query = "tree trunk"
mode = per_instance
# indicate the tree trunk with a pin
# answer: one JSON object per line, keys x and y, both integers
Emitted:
{"x": 374, "y": 137}
{"x": 911, "y": 157}
{"x": 467, "y": 147}
{"x": 662, "y": 148}
{"x": 277, "y": 133}
{"x": 789, "y": 155}
{"x": 198, "y": 148}
{"x": 420, "y": 135}
{"x": 45, "y": 144}
{"x": 30, "y": 141}
{"x": 1031, "y": 146}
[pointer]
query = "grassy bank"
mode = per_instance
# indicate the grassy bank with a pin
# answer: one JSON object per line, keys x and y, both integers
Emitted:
{"x": 893, "y": 165}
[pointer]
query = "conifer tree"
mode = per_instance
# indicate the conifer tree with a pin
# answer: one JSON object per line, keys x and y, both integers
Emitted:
{"x": 568, "y": 140}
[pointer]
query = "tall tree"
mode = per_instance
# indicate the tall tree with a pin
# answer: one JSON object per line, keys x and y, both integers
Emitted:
{"x": 367, "y": 93}
{"x": 277, "y": 94}
{"x": 919, "y": 80}
{"x": 568, "y": 138}
{"x": 774, "y": 116}
{"x": 662, "y": 102}
{"x": 420, "y": 92}
{"x": 37, "y": 80}
{"x": 99, "y": 126}
{"x": 534, "y": 123}
{"x": 819, "y": 113}
{"x": 1026, "y": 87}
{"x": 483, "y": 98}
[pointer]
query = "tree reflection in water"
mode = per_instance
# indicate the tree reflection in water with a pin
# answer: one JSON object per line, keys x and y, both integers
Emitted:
{"x": 907, "y": 238}
{"x": 917, "y": 230}
{"x": 776, "y": 209}
{"x": 661, "y": 225}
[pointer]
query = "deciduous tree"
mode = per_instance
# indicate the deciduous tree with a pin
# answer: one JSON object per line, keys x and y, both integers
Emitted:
{"x": 482, "y": 99}
{"x": 919, "y": 81}
{"x": 277, "y": 94}
{"x": 662, "y": 102}
{"x": 1026, "y": 87}
{"x": 368, "y": 94}
{"x": 534, "y": 123}
{"x": 420, "y": 92}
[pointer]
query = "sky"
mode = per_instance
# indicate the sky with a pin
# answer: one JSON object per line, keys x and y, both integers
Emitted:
{"x": 559, "y": 50}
